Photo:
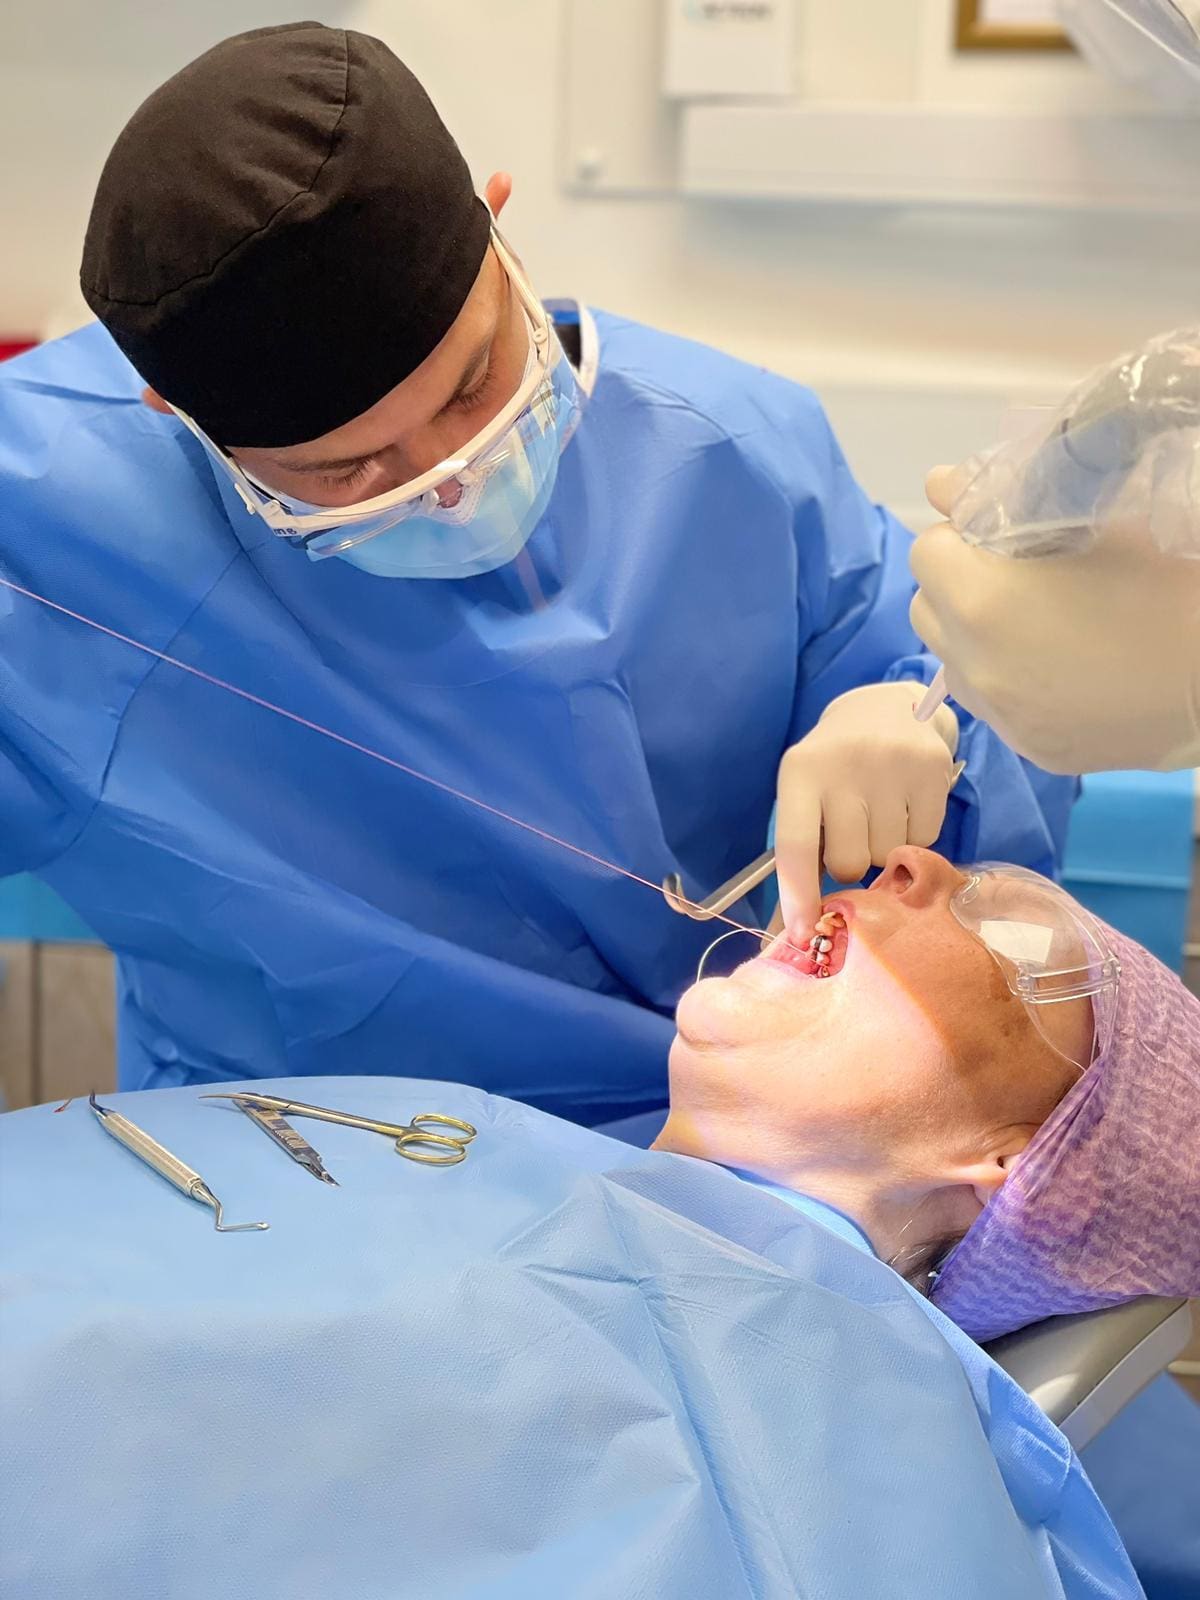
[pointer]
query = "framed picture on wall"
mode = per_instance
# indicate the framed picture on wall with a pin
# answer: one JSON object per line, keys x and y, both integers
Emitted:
{"x": 1010, "y": 25}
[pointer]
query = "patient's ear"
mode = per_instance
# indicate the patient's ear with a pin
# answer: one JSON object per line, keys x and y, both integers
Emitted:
{"x": 987, "y": 1176}
{"x": 152, "y": 398}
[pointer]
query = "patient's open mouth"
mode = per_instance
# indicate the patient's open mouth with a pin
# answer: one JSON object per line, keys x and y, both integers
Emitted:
{"x": 823, "y": 955}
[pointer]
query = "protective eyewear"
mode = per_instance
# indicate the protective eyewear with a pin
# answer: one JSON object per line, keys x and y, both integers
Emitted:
{"x": 1048, "y": 948}
{"x": 545, "y": 398}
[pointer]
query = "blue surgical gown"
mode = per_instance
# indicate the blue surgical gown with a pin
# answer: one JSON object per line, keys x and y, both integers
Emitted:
{"x": 566, "y": 1369}
{"x": 707, "y": 577}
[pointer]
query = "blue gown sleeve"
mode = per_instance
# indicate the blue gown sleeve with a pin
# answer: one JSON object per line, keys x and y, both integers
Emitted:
{"x": 854, "y": 592}
{"x": 37, "y": 816}
{"x": 57, "y": 730}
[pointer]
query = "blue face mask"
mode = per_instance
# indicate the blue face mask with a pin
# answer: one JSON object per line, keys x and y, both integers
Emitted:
{"x": 482, "y": 516}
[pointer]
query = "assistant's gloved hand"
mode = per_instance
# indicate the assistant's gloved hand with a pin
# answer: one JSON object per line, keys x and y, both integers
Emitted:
{"x": 1082, "y": 663}
{"x": 868, "y": 777}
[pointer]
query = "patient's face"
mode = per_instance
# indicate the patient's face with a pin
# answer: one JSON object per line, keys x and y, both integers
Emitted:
{"x": 915, "y": 1036}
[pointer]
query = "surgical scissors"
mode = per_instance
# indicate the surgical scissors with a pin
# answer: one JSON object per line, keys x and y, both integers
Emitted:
{"x": 739, "y": 885}
{"x": 406, "y": 1134}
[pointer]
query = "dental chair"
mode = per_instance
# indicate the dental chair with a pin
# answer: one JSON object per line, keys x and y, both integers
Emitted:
{"x": 1083, "y": 1370}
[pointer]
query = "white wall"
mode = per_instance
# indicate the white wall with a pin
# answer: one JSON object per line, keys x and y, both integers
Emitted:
{"x": 917, "y": 327}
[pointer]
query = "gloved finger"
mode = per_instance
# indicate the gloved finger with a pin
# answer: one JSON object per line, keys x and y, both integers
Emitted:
{"x": 925, "y": 624}
{"x": 847, "y": 836}
{"x": 941, "y": 488}
{"x": 939, "y": 560}
{"x": 927, "y": 812}
{"x": 959, "y": 687}
{"x": 969, "y": 588}
{"x": 944, "y": 723}
{"x": 798, "y": 851}
{"x": 887, "y": 825}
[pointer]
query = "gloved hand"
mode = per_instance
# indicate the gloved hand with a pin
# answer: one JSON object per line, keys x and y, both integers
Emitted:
{"x": 868, "y": 777}
{"x": 1086, "y": 663}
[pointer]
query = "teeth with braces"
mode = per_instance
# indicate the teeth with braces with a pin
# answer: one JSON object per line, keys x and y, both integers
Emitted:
{"x": 820, "y": 946}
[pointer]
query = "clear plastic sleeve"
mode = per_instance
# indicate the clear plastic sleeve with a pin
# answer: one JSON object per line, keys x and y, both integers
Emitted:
{"x": 1121, "y": 455}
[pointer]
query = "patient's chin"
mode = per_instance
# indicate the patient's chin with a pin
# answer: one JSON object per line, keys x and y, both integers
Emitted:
{"x": 693, "y": 1052}
{"x": 701, "y": 1017}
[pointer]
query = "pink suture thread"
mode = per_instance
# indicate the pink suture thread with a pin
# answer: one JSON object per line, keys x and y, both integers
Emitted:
{"x": 352, "y": 744}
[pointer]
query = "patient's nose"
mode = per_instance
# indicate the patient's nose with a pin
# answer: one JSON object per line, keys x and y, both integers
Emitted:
{"x": 919, "y": 877}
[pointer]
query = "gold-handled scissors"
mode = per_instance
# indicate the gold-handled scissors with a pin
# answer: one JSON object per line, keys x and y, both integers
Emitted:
{"x": 442, "y": 1149}
{"x": 739, "y": 885}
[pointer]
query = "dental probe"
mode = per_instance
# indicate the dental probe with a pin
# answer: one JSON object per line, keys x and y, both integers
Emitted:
{"x": 721, "y": 899}
{"x": 166, "y": 1165}
{"x": 933, "y": 697}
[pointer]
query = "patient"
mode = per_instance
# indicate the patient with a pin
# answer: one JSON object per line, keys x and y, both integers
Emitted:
{"x": 917, "y": 1093}
{"x": 566, "y": 1367}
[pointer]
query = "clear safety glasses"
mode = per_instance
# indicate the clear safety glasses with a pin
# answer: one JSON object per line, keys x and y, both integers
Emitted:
{"x": 1048, "y": 948}
{"x": 545, "y": 406}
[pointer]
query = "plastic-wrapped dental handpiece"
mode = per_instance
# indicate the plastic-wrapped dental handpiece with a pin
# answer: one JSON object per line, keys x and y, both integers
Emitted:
{"x": 1124, "y": 446}
{"x": 1123, "y": 450}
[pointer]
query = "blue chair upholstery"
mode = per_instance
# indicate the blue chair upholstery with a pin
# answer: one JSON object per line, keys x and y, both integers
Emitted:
{"x": 30, "y": 910}
{"x": 1129, "y": 855}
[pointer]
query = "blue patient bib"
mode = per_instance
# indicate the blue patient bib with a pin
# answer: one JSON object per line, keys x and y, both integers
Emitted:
{"x": 565, "y": 1369}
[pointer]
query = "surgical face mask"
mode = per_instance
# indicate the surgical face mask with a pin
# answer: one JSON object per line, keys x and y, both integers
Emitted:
{"x": 481, "y": 515}
{"x": 467, "y": 515}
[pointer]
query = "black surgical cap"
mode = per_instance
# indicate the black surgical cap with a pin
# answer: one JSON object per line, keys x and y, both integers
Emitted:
{"x": 282, "y": 233}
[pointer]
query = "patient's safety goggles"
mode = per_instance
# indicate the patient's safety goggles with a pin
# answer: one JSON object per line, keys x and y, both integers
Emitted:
{"x": 1048, "y": 948}
{"x": 523, "y": 440}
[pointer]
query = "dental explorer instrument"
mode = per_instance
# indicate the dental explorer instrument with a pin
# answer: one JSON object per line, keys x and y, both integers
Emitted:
{"x": 275, "y": 1126}
{"x": 933, "y": 696}
{"x": 721, "y": 899}
{"x": 750, "y": 877}
{"x": 404, "y": 1133}
{"x": 168, "y": 1166}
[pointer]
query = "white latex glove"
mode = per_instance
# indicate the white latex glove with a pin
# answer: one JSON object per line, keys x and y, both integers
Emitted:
{"x": 1087, "y": 663}
{"x": 868, "y": 777}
